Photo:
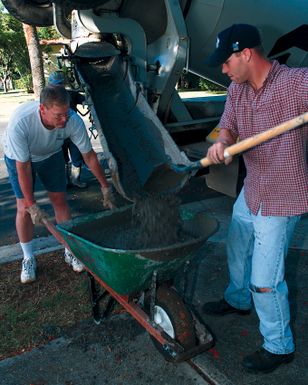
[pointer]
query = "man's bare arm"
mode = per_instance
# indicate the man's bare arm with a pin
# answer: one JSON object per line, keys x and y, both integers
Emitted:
{"x": 92, "y": 162}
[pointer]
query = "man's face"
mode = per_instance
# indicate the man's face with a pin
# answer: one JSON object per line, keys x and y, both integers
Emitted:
{"x": 54, "y": 116}
{"x": 236, "y": 67}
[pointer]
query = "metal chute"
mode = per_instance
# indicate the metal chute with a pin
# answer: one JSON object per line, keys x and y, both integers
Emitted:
{"x": 139, "y": 143}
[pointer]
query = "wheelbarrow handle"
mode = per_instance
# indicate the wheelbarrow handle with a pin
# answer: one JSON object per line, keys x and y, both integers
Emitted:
{"x": 253, "y": 141}
{"x": 53, "y": 230}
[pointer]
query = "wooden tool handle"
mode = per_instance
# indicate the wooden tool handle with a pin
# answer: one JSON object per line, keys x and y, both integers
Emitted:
{"x": 253, "y": 141}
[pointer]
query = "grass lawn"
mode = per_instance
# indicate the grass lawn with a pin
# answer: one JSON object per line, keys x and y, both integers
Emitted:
{"x": 31, "y": 315}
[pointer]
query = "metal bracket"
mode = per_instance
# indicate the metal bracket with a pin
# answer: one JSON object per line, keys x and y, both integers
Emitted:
{"x": 153, "y": 295}
{"x": 95, "y": 297}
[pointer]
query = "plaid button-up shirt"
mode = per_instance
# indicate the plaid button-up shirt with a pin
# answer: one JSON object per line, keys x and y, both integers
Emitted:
{"x": 277, "y": 174}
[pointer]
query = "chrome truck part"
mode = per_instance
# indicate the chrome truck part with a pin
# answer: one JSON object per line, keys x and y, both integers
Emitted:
{"x": 137, "y": 140}
{"x": 151, "y": 43}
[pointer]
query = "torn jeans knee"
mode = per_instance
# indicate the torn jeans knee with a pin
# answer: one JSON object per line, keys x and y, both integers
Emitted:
{"x": 257, "y": 289}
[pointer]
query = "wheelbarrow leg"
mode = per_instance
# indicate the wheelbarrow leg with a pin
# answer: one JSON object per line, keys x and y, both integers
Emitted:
{"x": 152, "y": 291}
{"x": 95, "y": 297}
{"x": 109, "y": 307}
{"x": 185, "y": 283}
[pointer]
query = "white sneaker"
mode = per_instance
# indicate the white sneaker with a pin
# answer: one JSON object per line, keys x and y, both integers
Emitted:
{"x": 77, "y": 266}
{"x": 28, "y": 270}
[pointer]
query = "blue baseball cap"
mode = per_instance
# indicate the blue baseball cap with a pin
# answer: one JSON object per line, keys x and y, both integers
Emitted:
{"x": 56, "y": 78}
{"x": 231, "y": 40}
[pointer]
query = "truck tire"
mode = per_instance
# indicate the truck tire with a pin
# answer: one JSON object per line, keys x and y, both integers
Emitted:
{"x": 80, "y": 4}
{"x": 39, "y": 13}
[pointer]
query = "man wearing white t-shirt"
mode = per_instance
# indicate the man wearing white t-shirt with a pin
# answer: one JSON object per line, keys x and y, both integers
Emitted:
{"x": 33, "y": 146}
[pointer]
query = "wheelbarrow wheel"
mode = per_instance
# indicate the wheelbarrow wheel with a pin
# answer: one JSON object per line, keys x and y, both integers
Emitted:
{"x": 172, "y": 315}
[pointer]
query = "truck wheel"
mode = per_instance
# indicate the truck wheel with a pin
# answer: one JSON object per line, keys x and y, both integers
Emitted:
{"x": 80, "y": 4}
{"x": 172, "y": 315}
{"x": 39, "y": 13}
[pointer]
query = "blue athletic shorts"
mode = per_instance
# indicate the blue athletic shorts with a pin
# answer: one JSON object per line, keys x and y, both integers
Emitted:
{"x": 50, "y": 171}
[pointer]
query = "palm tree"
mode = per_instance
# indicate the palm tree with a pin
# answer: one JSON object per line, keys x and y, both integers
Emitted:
{"x": 36, "y": 59}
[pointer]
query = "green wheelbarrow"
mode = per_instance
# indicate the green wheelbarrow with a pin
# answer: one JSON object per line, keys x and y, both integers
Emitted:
{"x": 140, "y": 280}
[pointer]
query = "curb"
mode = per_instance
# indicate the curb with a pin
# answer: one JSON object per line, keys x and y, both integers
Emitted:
{"x": 43, "y": 245}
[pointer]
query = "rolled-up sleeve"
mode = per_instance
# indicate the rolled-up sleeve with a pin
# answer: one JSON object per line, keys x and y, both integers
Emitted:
{"x": 301, "y": 89}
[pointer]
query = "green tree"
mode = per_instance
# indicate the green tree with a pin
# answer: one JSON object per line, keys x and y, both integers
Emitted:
{"x": 49, "y": 38}
{"x": 47, "y": 33}
{"x": 14, "y": 59}
{"x": 21, "y": 53}
{"x": 207, "y": 85}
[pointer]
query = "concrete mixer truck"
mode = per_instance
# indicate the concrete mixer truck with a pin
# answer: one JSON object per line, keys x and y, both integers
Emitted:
{"x": 128, "y": 56}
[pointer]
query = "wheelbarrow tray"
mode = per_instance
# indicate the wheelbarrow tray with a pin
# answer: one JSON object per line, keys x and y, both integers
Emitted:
{"x": 129, "y": 271}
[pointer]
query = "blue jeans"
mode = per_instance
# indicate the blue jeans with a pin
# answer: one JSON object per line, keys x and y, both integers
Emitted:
{"x": 72, "y": 153}
{"x": 257, "y": 247}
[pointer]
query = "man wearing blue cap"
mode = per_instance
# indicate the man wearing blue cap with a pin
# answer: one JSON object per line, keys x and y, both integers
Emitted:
{"x": 72, "y": 156}
{"x": 262, "y": 94}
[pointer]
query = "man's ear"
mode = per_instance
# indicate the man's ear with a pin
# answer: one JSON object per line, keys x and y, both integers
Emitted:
{"x": 247, "y": 54}
{"x": 42, "y": 108}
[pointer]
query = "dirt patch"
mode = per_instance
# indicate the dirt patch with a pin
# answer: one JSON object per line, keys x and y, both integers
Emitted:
{"x": 31, "y": 315}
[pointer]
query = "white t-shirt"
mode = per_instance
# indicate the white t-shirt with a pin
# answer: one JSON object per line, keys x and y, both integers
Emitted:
{"x": 26, "y": 138}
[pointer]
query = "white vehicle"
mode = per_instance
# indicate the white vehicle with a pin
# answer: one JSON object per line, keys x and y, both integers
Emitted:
{"x": 128, "y": 56}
